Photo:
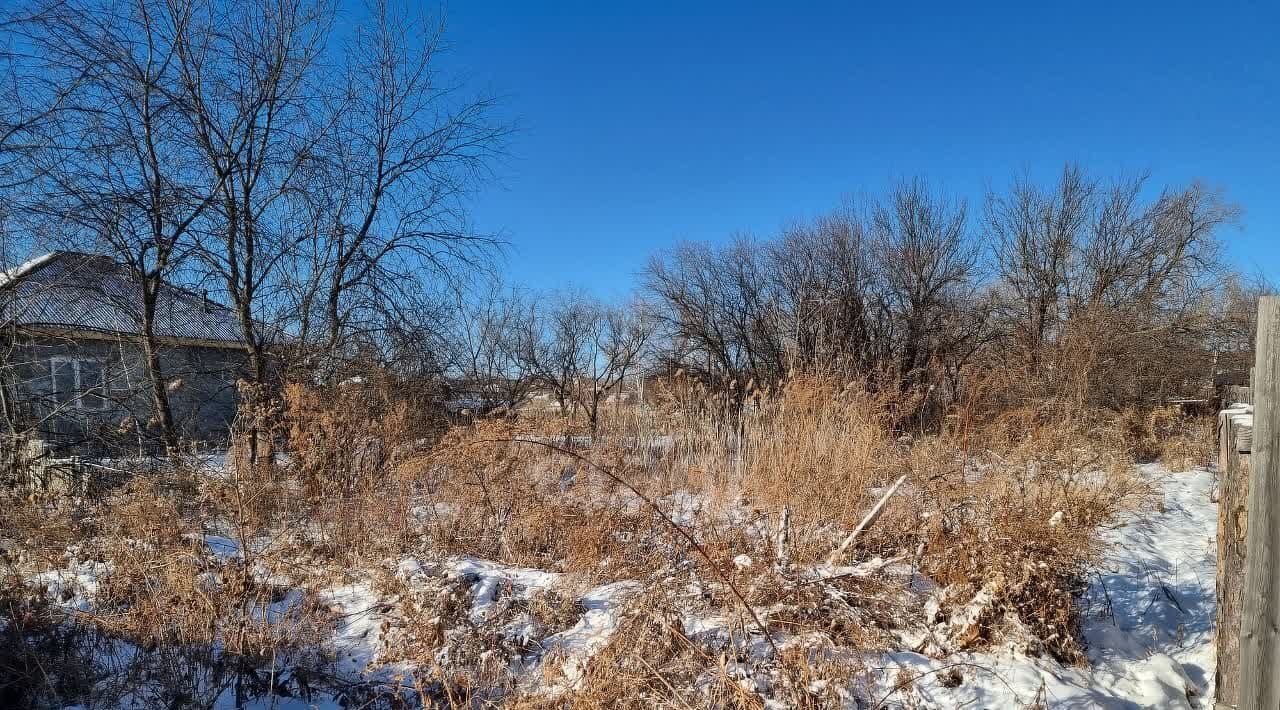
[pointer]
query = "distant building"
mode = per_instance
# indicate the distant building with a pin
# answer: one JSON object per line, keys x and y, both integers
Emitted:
{"x": 74, "y": 372}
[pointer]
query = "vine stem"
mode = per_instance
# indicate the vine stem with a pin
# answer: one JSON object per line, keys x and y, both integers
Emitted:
{"x": 680, "y": 530}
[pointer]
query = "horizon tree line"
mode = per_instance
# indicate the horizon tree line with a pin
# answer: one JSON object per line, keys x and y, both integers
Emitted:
{"x": 316, "y": 181}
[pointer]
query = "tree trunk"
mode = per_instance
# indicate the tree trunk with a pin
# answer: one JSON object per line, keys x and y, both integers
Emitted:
{"x": 155, "y": 372}
{"x": 253, "y": 343}
{"x": 257, "y": 371}
{"x": 331, "y": 312}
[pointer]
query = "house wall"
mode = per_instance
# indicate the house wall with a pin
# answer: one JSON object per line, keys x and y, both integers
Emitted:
{"x": 202, "y": 391}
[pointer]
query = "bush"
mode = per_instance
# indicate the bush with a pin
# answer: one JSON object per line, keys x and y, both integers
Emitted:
{"x": 1001, "y": 510}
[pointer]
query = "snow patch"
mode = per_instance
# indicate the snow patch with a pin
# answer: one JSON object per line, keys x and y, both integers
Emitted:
{"x": 1149, "y": 625}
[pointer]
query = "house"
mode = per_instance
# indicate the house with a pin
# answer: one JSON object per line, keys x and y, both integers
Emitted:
{"x": 74, "y": 373}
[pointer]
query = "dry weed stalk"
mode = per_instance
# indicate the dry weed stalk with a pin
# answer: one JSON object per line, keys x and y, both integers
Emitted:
{"x": 1002, "y": 507}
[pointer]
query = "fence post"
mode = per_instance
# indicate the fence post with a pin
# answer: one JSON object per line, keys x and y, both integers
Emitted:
{"x": 1260, "y": 621}
{"x": 1233, "y": 492}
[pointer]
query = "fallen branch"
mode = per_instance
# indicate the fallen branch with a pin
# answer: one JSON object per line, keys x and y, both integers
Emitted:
{"x": 867, "y": 522}
{"x": 782, "y": 540}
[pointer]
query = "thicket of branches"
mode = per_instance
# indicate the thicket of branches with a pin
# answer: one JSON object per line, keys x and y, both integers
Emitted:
{"x": 315, "y": 181}
{"x": 309, "y": 177}
{"x": 1118, "y": 277}
{"x": 1103, "y": 293}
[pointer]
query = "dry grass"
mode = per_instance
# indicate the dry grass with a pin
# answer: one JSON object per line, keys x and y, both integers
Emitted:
{"x": 164, "y": 619}
{"x": 1164, "y": 434}
{"x": 1012, "y": 505}
{"x": 1003, "y": 506}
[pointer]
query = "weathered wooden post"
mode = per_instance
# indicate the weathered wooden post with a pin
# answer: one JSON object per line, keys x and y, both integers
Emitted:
{"x": 1260, "y": 620}
{"x": 1233, "y": 498}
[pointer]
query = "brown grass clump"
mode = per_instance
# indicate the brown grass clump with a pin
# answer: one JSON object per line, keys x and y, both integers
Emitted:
{"x": 503, "y": 493}
{"x": 651, "y": 662}
{"x": 167, "y": 588}
{"x": 1010, "y": 504}
{"x": 819, "y": 447}
{"x": 1023, "y": 530}
{"x": 343, "y": 442}
{"x": 724, "y": 508}
{"x": 160, "y": 618}
{"x": 1191, "y": 445}
{"x": 1165, "y": 434}
{"x": 648, "y": 663}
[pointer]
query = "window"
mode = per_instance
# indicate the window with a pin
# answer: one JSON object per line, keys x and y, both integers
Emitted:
{"x": 64, "y": 380}
{"x": 79, "y": 382}
{"x": 92, "y": 384}
{"x": 119, "y": 377}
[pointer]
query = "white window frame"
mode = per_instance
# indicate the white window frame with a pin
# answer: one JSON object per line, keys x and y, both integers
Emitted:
{"x": 80, "y": 401}
{"x": 121, "y": 382}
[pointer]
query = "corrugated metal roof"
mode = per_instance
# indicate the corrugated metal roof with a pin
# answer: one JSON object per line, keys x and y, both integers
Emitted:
{"x": 70, "y": 290}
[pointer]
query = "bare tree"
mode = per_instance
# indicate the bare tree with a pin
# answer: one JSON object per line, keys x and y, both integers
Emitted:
{"x": 1235, "y": 314}
{"x": 249, "y": 76}
{"x": 28, "y": 101}
{"x": 29, "y": 98}
{"x": 719, "y": 308}
{"x": 488, "y": 342}
{"x": 554, "y": 343}
{"x": 124, "y": 171}
{"x": 405, "y": 148}
{"x": 1094, "y": 267}
{"x": 1033, "y": 233}
{"x": 619, "y": 339}
{"x": 927, "y": 261}
{"x": 861, "y": 292}
{"x": 830, "y": 288}
{"x": 584, "y": 350}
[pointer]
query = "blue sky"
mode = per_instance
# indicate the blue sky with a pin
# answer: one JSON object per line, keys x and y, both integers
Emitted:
{"x": 642, "y": 124}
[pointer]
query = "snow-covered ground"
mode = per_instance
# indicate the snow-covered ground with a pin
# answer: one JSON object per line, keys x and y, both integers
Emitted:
{"x": 1149, "y": 623}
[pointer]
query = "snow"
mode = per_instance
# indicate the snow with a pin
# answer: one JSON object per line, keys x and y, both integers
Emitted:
{"x": 490, "y": 577}
{"x": 1149, "y": 624}
{"x": 25, "y": 268}
{"x": 75, "y": 586}
{"x": 1160, "y": 579}
{"x": 1240, "y": 414}
{"x": 223, "y": 548}
{"x": 1148, "y": 619}
{"x": 604, "y": 607}
{"x": 358, "y": 636}
{"x": 861, "y": 569}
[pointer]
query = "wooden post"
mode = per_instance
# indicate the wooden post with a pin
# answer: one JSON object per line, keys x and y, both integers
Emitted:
{"x": 1233, "y": 497}
{"x": 1260, "y": 621}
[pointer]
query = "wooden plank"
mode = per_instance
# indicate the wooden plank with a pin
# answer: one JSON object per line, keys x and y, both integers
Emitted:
{"x": 1260, "y": 620}
{"x": 1244, "y": 437}
{"x": 1233, "y": 497}
{"x": 1224, "y": 436}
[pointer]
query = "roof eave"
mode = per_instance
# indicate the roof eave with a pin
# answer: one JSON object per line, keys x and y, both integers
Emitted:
{"x": 84, "y": 334}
